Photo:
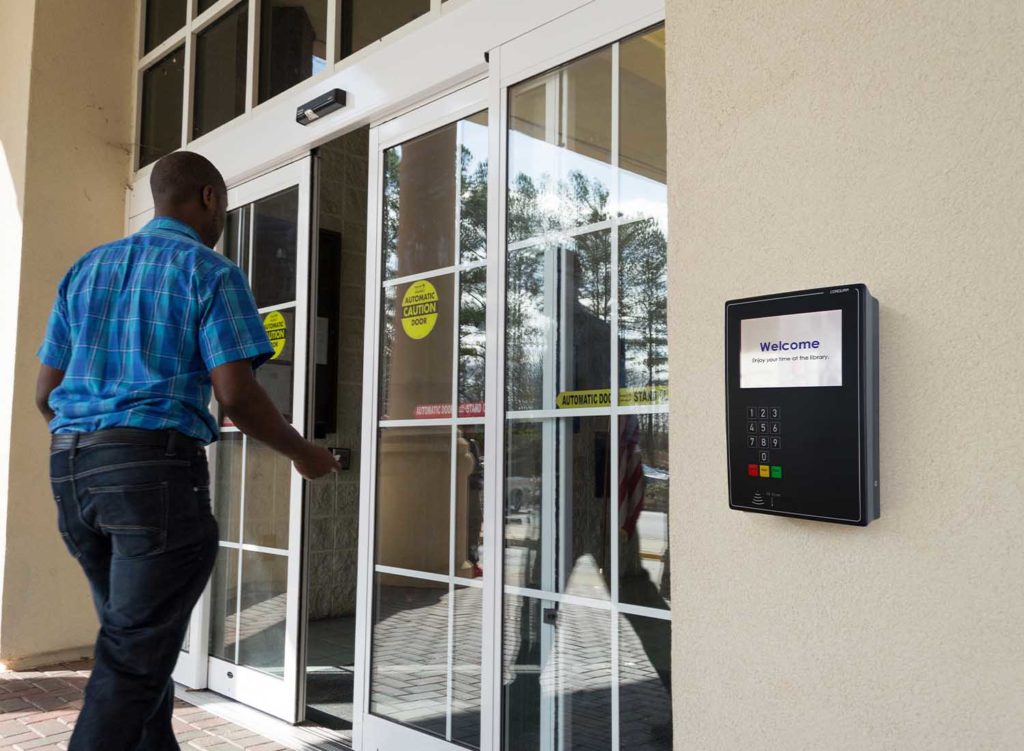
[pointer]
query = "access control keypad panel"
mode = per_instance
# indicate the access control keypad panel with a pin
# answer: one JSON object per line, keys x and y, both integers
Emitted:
{"x": 802, "y": 404}
{"x": 764, "y": 440}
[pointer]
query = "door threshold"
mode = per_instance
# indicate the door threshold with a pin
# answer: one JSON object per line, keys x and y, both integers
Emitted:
{"x": 298, "y": 737}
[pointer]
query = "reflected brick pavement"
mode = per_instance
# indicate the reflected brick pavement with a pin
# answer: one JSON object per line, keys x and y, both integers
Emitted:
{"x": 38, "y": 711}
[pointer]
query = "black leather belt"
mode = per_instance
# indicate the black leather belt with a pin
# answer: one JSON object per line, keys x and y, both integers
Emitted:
{"x": 125, "y": 436}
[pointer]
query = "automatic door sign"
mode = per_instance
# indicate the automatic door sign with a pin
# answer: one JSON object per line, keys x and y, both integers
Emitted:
{"x": 277, "y": 332}
{"x": 631, "y": 397}
{"x": 419, "y": 309}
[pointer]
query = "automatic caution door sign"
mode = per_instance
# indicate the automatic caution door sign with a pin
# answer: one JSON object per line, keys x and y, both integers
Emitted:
{"x": 277, "y": 332}
{"x": 419, "y": 309}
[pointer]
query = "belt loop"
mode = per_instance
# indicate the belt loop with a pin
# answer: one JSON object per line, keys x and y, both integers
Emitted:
{"x": 172, "y": 442}
{"x": 74, "y": 444}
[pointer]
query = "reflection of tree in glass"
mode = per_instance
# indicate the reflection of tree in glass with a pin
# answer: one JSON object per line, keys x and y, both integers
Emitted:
{"x": 524, "y": 322}
{"x": 473, "y": 212}
{"x": 392, "y": 162}
{"x": 387, "y": 349}
{"x": 544, "y": 205}
{"x": 472, "y": 336}
{"x": 643, "y": 303}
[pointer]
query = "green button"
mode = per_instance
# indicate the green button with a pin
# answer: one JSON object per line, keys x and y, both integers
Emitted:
{"x": 777, "y": 473}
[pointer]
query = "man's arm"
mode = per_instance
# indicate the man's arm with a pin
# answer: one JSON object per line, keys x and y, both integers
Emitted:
{"x": 47, "y": 380}
{"x": 250, "y": 408}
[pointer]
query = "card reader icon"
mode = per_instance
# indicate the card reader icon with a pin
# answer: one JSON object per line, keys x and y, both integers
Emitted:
{"x": 758, "y": 499}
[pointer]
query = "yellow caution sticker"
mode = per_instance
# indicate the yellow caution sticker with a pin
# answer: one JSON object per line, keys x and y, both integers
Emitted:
{"x": 277, "y": 332}
{"x": 419, "y": 309}
{"x": 634, "y": 397}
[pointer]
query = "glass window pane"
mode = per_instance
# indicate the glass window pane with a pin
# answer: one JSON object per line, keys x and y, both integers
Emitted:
{"x": 642, "y": 128}
{"x": 205, "y": 5}
{"x": 473, "y": 188}
{"x": 163, "y": 18}
{"x": 293, "y": 43}
{"x": 416, "y": 356}
{"x": 264, "y": 600}
{"x": 236, "y": 237}
{"x": 160, "y": 126}
{"x": 644, "y": 576}
{"x": 560, "y": 287}
{"x": 645, "y": 683}
{"x": 414, "y": 498}
{"x": 419, "y": 204}
{"x": 274, "y": 248}
{"x": 220, "y": 71}
{"x": 560, "y": 148}
{"x": 363, "y": 22}
{"x": 573, "y": 559}
{"x": 469, "y": 500}
{"x": 561, "y": 683}
{"x": 227, "y": 490}
{"x": 277, "y": 375}
{"x": 472, "y": 342}
{"x": 224, "y": 605}
{"x": 466, "y": 666}
{"x": 643, "y": 313}
{"x": 409, "y": 674}
{"x": 268, "y": 479}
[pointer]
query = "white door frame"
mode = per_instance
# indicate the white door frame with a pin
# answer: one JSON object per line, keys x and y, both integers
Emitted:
{"x": 196, "y": 668}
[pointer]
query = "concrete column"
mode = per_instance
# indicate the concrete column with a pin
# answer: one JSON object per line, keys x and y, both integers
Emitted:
{"x": 66, "y": 83}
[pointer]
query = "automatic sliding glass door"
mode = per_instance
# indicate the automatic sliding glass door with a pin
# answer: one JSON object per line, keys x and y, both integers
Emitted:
{"x": 585, "y": 445}
{"x": 254, "y": 595}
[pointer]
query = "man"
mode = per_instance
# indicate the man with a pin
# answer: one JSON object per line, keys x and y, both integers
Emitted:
{"x": 141, "y": 330}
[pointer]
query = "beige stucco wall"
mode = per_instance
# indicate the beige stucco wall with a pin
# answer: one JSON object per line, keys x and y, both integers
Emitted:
{"x": 827, "y": 142}
{"x": 75, "y": 163}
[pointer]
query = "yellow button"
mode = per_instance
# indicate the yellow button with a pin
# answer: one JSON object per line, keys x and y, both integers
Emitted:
{"x": 765, "y": 470}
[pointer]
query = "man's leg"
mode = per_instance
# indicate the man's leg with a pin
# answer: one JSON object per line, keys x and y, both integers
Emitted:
{"x": 154, "y": 509}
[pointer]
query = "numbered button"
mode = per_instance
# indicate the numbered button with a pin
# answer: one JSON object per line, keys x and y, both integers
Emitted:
{"x": 751, "y": 413}
{"x": 763, "y": 442}
{"x": 762, "y": 427}
{"x": 762, "y": 413}
{"x": 776, "y": 428}
{"x": 751, "y": 441}
{"x": 775, "y": 442}
{"x": 762, "y": 456}
{"x": 774, "y": 413}
{"x": 751, "y": 427}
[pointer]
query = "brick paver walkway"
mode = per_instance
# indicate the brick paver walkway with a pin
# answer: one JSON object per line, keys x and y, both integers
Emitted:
{"x": 38, "y": 711}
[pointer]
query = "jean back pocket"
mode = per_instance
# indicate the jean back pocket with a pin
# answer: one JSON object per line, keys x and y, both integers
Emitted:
{"x": 133, "y": 516}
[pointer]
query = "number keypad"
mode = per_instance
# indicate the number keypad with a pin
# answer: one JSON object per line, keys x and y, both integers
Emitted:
{"x": 764, "y": 436}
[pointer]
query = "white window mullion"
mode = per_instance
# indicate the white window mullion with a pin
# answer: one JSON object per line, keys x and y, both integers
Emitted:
{"x": 613, "y": 464}
{"x": 253, "y": 56}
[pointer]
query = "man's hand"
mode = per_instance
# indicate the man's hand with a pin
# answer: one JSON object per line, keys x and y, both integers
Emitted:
{"x": 318, "y": 463}
{"x": 251, "y": 409}
{"x": 48, "y": 379}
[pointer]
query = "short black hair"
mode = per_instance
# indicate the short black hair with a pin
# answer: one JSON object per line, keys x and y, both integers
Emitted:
{"x": 180, "y": 177}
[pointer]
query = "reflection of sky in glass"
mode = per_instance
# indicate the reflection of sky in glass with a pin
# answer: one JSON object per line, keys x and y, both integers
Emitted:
{"x": 546, "y": 165}
{"x": 641, "y": 196}
{"x": 318, "y": 64}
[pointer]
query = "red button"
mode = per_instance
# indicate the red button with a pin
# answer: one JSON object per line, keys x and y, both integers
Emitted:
{"x": 752, "y": 470}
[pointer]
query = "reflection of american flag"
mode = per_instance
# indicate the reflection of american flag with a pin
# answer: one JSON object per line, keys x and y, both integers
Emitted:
{"x": 631, "y": 474}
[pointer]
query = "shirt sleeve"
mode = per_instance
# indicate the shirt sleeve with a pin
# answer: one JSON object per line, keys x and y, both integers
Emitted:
{"x": 230, "y": 328}
{"x": 56, "y": 348}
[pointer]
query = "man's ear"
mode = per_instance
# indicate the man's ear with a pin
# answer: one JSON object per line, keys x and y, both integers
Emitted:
{"x": 209, "y": 197}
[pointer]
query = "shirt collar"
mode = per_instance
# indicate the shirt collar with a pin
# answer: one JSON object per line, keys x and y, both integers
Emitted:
{"x": 168, "y": 224}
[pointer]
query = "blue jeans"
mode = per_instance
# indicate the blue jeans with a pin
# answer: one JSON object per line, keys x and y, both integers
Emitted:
{"x": 138, "y": 520}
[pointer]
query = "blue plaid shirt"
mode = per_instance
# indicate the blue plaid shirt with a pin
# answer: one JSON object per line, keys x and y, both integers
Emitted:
{"x": 137, "y": 327}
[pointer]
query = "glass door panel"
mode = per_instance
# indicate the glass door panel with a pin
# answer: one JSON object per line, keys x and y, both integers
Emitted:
{"x": 254, "y": 603}
{"x": 586, "y": 568}
{"x": 426, "y": 622}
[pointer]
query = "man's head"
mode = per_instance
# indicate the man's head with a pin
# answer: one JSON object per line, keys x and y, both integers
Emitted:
{"x": 189, "y": 188}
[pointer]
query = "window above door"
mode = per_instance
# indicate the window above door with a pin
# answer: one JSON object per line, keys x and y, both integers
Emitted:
{"x": 204, "y": 63}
